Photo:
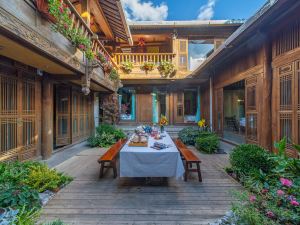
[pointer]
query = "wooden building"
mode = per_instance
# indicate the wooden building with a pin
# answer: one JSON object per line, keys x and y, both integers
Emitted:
{"x": 49, "y": 93}
{"x": 148, "y": 94}
{"x": 253, "y": 79}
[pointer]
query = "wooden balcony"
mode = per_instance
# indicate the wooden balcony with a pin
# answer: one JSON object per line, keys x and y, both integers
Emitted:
{"x": 79, "y": 23}
{"x": 138, "y": 59}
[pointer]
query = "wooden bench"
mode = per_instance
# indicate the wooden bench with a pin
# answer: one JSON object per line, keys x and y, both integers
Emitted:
{"x": 190, "y": 158}
{"x": 110, "y": 157}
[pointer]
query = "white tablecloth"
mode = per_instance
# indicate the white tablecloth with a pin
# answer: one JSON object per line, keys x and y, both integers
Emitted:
{"x": 148, "y": 162}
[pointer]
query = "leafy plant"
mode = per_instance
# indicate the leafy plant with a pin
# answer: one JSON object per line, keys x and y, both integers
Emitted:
{"x": 127, "y": 67}
{"x": 207, "y": 142}
{"x": 188, "y": 135}
{"x": 27, "y": 217}
{"x": 246, "y": 158}
{"x": 15, "y": 196}
{"x": 41, "y": 178}
{"x": 166, "y": 68}
{"x": 105, "y": 136}
{"x": 148, "y": 66}
{"x": 114, "y": 75}
{"x": 63, "y": 24}
{"x": 281, "y": 146}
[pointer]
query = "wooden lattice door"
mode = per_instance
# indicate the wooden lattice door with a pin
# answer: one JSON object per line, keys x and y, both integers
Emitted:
{"x": 179, "y": 107}
{"x": 251, "y": 109}
{"x": 219, "y": 115}
{"x": 18, "y": 115}
{"x": 63, "y": 116}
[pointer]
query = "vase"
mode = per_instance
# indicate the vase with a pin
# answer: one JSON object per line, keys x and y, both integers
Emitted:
{"x": 162, "y": 129}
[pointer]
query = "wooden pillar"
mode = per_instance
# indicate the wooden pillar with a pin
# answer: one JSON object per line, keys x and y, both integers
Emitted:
{"x": 47, "y": 118}
{"x": 266, "y": 96}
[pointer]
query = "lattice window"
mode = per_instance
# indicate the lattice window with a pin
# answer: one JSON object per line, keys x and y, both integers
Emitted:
{"x": 9, "y": 133}
{"x": 251, "y": 98}
{"x": 28, "y": 132}
{"x": 298, "y": 87}
{"x": 288, "y": 39}
{"x": 252, "y": 127}
{"x": 28, "y": 101}
{"x": 298, "y": 141}
{"x": 8, "y": 99}
{"x": 286, "y": 126}
{"x": 286, "y": 91}
{"x": 182, "y": 46}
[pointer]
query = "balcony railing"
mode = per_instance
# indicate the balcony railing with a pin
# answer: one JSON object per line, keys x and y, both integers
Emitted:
{"x": 79, "y": 23}
{"x": 139, "y": 58}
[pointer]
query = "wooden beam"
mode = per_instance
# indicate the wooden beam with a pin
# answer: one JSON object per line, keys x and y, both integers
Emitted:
{"x": 101, "y": 19}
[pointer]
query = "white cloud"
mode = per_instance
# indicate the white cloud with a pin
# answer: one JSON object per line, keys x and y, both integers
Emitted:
{"x": 207, "y": 10}
{"x": 139, "y": 10}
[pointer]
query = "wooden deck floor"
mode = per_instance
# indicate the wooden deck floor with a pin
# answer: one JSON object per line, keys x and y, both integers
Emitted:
{"x": 88, "y": 200}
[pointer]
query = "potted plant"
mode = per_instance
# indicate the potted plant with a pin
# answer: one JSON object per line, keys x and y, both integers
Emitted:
{"x": 148, "y": 66}
{"x": 127, "y": 67}
{"x": 107, "y": 67}
{"x": 43, "y": 7}
{"x": 166, "y": 68}
{"x": 162, "y": 123}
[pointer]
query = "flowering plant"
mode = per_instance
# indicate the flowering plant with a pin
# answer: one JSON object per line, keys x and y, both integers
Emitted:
{"x": 166, "y": 68}
{"x": 163, "y": 121}
{"x": 148, "y": 66}
{"x": 127, "y": 67}
{"x": 63, "y": 24}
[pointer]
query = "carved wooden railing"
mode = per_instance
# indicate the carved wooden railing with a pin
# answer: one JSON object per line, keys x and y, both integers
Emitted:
{"x": 79, "y": 23}
{"x": 139, "y": 58}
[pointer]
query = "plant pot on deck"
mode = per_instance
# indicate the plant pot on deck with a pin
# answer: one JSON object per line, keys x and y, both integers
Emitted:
{"x": 43, "y": 8}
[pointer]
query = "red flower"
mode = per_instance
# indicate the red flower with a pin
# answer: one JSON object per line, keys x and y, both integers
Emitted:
{"x": 264, "y": 191}
{"x": 270, "y": 214}
{"x": 81, "y": 46}
{"x": 286, "y": 182}
{"x": 61, "y": 9}
{"x": 252, "y": 198}
{"x": 280, "y": 192}
{"x": 294, "y": 203}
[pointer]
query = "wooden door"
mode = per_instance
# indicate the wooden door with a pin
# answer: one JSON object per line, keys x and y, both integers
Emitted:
{"x": 179, "y": 107}
{"x": 219, "y": 114}
{"x": 251, "y": 107}
{"x": 144, "y": 108}
{"x": 18, "y": 115}
{"x": 63, "y": 116}
{"x": 287, "y": 83}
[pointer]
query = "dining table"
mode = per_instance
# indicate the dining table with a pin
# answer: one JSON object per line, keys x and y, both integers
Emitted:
{"x": 149, "y": 162}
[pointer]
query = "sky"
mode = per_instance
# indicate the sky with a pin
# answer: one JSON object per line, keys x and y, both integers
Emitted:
{"x": 153, "y": 10}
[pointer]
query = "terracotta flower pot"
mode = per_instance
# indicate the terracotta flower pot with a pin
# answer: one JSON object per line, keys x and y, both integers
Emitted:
{"x": 43, "y": 8}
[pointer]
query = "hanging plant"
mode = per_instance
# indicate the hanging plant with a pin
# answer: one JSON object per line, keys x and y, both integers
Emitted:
{"x": 127, "y": 67}
{"x": 63, "y": 24}
{"x": 107, "y": 67}
{"x": 148, "y": 66}
{"x": 166, "y": 68}
{"x": 114, "y": 76}
{"x": 101, "y": 57}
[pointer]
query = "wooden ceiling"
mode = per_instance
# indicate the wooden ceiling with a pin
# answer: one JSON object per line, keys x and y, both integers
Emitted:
{"x": 114, "y": 14}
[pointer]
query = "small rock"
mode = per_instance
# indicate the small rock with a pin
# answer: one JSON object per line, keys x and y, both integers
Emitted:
{"x": 46, "y": 196}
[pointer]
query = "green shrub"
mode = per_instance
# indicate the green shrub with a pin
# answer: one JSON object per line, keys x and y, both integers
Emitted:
{"x": 27, "y": 217}
{"x": 188, "y": 135}
{"x": 247, "y": 158}
{"x": 105, "y": 136}
{"x": 18, "y": 196}
{"x": 207, "y": 142}
{"x": 41, "y": 178}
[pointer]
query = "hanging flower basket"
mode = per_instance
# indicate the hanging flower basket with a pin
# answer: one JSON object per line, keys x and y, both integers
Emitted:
{"x": 43, "y": 8}
{"x": 127, "y": 67}
{"x": 166, "y": 69}
{"x": 148, "y": 66}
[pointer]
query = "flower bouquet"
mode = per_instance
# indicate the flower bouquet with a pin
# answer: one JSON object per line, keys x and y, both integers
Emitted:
{"x": 162, "y": 123}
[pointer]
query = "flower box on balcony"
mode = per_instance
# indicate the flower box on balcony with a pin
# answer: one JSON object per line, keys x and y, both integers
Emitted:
{"x": 43, "y": 8}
